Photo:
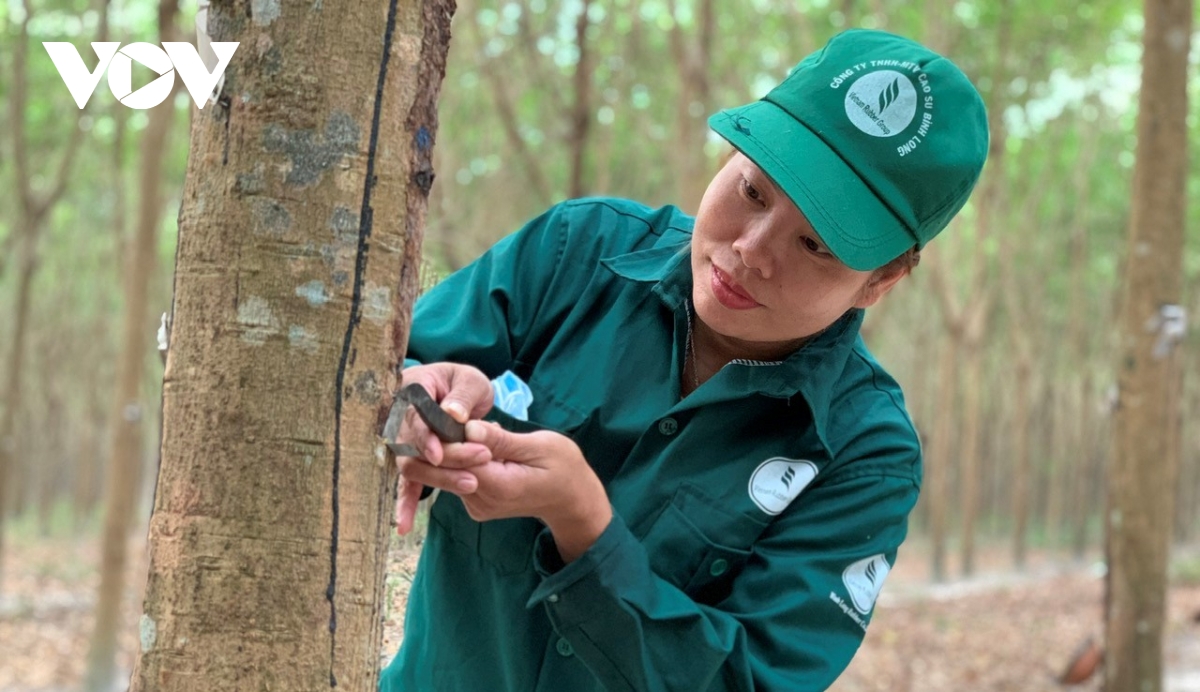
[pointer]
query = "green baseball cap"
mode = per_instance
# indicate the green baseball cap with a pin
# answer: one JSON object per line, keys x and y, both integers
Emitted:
{"x": 877, "y": 139}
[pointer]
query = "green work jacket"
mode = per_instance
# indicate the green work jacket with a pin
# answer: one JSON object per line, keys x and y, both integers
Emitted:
{"x": 754, "y": 520}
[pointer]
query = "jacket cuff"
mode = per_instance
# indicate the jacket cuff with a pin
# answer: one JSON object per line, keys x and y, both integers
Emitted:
{"x": 572, "y": 592}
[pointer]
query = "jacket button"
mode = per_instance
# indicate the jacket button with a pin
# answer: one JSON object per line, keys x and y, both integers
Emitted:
{"x": 553, "y": 598}
{"x": 718, "y": 567}
{"x": 564, "y": 648}
{"x": 668, "y": 426}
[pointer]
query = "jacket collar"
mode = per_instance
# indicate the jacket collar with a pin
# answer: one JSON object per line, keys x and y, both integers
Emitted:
{"x": 813, "y": 371}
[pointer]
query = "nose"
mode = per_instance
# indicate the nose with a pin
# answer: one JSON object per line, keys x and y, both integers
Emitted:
{"x": 753, "y": 246}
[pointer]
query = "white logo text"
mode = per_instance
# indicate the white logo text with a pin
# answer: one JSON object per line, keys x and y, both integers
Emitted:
{"x": 178, "y": 57}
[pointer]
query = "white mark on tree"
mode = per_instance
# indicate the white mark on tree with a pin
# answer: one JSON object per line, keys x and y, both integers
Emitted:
{"x": 314, "y": 292}
{"x": 255, "y": 314}
{"x": 378, "y": 305}
{"x": 1177, "y": 39}
{"x": 147, "y": 632}
{"x": 264, "y": 11}
{"x": 1171, "y": 325}
{"x": 303, "y": 339}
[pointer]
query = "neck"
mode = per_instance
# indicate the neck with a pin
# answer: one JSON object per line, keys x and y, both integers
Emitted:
{"x": 714, "y": 347}
{"x": 709, "y": 351}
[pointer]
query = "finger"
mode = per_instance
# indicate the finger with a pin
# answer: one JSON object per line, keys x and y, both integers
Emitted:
{"x": 454, "y": 480}
{"x": 470, "y": 396}
{"x": 408, "y": 495}
{"x": 504, "y": 444}
{"x": 417, "y": 433}
{"x": 461, "y": 455}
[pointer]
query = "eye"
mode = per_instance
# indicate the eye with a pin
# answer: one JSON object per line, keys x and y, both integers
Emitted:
{"x": 751, "y": 192}
{"x": 813, "y": 246}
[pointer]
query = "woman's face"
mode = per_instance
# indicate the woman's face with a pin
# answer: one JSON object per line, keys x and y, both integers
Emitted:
{"x": 763, "y": 278}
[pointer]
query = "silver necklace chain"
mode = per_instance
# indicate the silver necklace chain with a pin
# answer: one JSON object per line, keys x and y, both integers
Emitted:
{"x": 691, "y": 347}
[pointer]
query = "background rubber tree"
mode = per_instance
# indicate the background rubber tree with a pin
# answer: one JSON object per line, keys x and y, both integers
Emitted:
{"x": 1145, "y": 459}
{"x": 125, "y": 442}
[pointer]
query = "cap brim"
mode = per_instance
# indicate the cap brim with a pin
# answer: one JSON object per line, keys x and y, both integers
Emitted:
{"x": 853, "y": 223}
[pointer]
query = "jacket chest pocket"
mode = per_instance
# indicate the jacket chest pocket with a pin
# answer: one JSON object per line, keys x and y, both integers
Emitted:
{"x": 504, "y": 544}
{"x": 700, "y": 546}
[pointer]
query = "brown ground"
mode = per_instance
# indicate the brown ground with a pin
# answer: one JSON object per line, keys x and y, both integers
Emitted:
{"x": 996, "y": 632}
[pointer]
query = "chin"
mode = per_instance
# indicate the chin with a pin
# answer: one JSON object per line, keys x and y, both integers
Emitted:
{"x": 729, "y": 323}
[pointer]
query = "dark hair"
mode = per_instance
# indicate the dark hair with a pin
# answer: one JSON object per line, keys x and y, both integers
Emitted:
{"x": 905, "y": 262}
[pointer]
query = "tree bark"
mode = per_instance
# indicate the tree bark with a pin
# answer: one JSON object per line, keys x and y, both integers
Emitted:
{"x": 300, "y": 235}
{"x": 1140, "y": 493}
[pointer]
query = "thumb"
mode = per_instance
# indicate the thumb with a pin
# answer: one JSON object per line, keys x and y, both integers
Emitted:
{"x": 467, "y": 398}
{"x": 504, "y": 445}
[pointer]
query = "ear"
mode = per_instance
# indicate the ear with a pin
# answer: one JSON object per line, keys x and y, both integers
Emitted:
{"x": 879, "y": 284}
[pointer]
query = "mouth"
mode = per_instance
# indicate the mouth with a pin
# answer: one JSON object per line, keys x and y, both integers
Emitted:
{"x": 729, "y": 293}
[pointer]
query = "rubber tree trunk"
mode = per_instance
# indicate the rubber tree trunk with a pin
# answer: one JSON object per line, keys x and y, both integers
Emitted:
{"x": 1141, "y": 495}
{"x": 299, "y": 240}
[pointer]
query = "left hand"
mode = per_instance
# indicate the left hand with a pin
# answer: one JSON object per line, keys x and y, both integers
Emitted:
{"x": 541, "y": 474}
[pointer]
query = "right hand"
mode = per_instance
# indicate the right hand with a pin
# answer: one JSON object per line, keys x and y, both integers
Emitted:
{"x": 464, "y": 392}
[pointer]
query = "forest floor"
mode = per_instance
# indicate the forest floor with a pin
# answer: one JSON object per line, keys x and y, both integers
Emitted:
{"x": 996, "y": 631}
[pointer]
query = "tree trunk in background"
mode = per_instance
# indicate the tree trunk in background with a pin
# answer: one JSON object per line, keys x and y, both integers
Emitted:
{"x": 32, "y": 211}
{"x": 1140, "y": 492}
{"x": 26, "y": 263}
{"x": 497, "y": 80}
{"x": 1189, "y": 471}
{"x": 693, "y": 60}
{"x": 87, "y": 444}
{"x": 271, "y": 518}
{"x": 1081, "y": 507}
{"x": 1021, "y": 319}
{"x": 88, "y": 461}
{"x": 964, "y": 329}
{"x": 1056, "y": 474}
{"x": 1022, "y": 471}
{"x": 971, "y": 468}
{"x": 1079, "y": 352}
{"x": 123, "y": 479}
{"x": 974, "y": 322}
{"x": 941, "y": 457}
{"x": 581, "y": 111}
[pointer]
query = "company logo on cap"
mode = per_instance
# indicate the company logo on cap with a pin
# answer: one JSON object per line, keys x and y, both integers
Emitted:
{"x": 882, "y": 103}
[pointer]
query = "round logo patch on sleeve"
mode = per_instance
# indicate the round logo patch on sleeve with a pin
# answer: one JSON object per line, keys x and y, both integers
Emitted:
{"x": 777, "y": 481}
{"x": 864, "y": 579}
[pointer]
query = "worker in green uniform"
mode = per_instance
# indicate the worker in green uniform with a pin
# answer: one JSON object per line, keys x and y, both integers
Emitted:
{"x": 707, "y": 477}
